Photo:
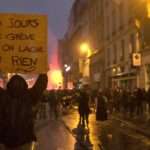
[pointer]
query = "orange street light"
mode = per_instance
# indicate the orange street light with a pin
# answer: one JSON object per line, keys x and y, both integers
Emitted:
{"x": 85, "y": 49}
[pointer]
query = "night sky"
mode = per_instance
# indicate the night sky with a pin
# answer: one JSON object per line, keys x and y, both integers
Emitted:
{"x": 57, "y": 10}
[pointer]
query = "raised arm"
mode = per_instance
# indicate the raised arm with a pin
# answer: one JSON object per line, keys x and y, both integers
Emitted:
{"x": 39, "y": 87}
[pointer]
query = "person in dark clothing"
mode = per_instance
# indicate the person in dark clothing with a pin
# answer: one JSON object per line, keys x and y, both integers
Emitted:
{"x": 148, "y": 99}
{"x": 16, "y": 112}
{"x": 132, "y": 104}
{"x": 125, "y": 101}
{"x": 139, "y": 101}
{"x": 101, "y": 109}
{"x": 53, "y": 104}
{"x": 83, "y": 108}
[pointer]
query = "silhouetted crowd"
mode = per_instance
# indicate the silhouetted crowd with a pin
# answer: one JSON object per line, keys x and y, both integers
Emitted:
{"x": 20, "y": 107}
{"x": 129, "y": 103}
{"x": 133, "y": 103}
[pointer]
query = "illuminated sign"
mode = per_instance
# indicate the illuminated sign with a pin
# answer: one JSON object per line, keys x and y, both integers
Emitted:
{"x": 136, "y": 59}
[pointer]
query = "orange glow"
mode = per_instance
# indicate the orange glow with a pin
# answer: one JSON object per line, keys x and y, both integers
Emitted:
{"x": 85, "y": 49}
{"x": 70, "y": 85}
{"x": 148, "y": 8}
{"x": 1, "y": 83}
{"x": 137, "y": 23}
{"x": 55, "y": 78}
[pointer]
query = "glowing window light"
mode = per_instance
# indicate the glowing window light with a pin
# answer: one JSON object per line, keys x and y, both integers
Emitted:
{"x": 137, "y": 23}
{"x": 148, "y": 8}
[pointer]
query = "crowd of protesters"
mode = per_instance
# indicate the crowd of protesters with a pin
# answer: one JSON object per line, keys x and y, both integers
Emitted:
{"x": 130, "y": 103}
{"x": 61, "y": 100}
{"x": 135, "y": 103}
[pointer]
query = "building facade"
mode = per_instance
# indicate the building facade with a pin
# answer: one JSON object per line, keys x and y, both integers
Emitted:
{"x": 96, "y": 32}
{"x": 121, "y": 41}
{"x": 140, "y": 14}
{"x": 64, "y": 61}
{"x": 86, "y": 26}
{"x": 78, "y": 33}
{"x": 114, "y": 31}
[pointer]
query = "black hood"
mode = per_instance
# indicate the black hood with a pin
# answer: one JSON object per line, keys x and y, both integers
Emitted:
{"x": 16, "y": 86}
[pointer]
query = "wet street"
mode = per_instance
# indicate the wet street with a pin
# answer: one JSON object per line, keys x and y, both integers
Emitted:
{"x": 55, "y": 137}
{"x": 85, "y": 139}
{"x": 65, "y": 134}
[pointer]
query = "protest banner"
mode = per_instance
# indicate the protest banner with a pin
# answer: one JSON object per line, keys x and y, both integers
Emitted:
{"x": 23, "y": 43}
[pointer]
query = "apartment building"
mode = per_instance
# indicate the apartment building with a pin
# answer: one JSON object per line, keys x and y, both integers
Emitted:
{"x": 86, "y": 26}
{"x": 141, "y": 12}
{"x": 121, "y": 40}
{"x": 111, "y": 28}
{"x": 96, "y": 32}
{"x": 77, "y": 33}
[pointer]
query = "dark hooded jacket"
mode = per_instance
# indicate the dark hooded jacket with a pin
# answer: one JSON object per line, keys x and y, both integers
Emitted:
{"x": 16, "y": 110}
{"x": 83, "y": 103}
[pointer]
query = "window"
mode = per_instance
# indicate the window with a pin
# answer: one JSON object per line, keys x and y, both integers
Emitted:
{"x": 106, "y": 3}
{"x": 107, "y": 27}
{"x": 132, "y": 43}
{"x": 113, "y": 21}
{"x": 122, "y": 50}
{"x": 115, "y": 54}
{"x": 121, "y": 17}
{"x": 108, "y": 56}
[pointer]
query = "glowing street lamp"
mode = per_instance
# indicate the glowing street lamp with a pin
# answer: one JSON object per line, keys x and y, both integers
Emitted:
{"x": 67, "y": 67}
{"x": 85, "y": 48}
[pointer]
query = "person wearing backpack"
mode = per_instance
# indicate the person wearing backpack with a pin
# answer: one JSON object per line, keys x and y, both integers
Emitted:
{"x": 16, "y": 112}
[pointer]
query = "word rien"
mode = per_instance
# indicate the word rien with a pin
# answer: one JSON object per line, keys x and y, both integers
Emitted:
{"x": 23, "y": 61}
{"x": 21, "y": 48}
{"x": 23, "y": 23}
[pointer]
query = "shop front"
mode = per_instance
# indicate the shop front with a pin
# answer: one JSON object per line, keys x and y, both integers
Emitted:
{"x": 125, "y": 81}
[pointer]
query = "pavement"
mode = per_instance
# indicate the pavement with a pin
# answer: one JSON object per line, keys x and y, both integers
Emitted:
{"x": 115, "y": 133}
{"x": 65, "y": 134}
{"x": 54, "y": 137}
{"x": 139, "y": 124}
{"x": 133, "y": 133}
{"x": 52, "y": 134}
{"x": 90, "y": 139}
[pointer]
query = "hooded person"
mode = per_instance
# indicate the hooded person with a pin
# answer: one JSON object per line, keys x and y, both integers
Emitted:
{"x": 101, "y": 108}
{"x": 83, "y": 108}
{"x": 16, "y": 112}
